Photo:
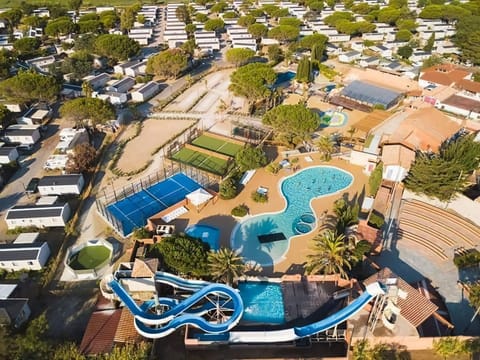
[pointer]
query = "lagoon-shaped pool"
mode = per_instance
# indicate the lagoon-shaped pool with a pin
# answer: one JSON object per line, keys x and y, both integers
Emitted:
{"x": 297, "y": 218}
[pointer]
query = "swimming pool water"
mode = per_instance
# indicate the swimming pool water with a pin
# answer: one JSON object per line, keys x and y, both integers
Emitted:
{"x": 284, "y": 77}
{"x": 298, "y": 190}
{"x": 262, "y": 301}
{"x": 208, "y": 234}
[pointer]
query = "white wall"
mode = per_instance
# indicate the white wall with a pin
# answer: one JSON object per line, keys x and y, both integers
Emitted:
{"x": 32, "y": 264}
{"x": 394, "y": 173}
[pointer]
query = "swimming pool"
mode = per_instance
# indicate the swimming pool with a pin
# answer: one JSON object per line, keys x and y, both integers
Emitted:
{"x": 296, "y": 218}
{"x": 284, "y": 77}
{"x": 208, "y": 234}
{"x": 262, "y": 301}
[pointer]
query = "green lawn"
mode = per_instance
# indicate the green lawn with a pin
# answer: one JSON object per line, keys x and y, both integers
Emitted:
{"x": 89, "y": 257}
{"x": 201, "y": 161}
{"x": 217, "y": 145}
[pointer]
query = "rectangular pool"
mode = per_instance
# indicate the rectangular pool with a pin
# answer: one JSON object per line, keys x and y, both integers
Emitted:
{"x": 262, "y": 301}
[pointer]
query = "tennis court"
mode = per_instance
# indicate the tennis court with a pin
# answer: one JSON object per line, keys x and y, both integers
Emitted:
{"x": 201, "y": 161}
{"x": 134, "y": 210}
{"x": 218, "y": 145}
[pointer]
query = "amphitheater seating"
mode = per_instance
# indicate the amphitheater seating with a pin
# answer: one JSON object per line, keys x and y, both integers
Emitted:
{"x": 418, "y": 240}
{"x": 438, "y": 226}
{"x": 470, "y": 231}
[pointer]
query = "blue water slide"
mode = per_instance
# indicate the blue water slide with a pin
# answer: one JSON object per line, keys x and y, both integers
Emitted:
{"x": 179, "y": 282}
{"x": 178, "y": 315}
{"x": 295, "y": 333}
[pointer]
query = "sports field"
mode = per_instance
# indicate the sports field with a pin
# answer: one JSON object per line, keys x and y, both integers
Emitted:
{"x": 201, "y": 161}
{"x": 89, "y": 257}
{"x": 218, "y": 145}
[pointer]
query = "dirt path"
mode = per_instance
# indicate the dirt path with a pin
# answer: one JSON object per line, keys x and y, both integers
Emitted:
{"x": 154, "y": 133}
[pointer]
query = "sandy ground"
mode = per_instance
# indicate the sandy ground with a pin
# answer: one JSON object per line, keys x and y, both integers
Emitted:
{"x": 215, "y": 85}
{"x": 154, "y": 133}
{"x": 217, "y": 213}
{"x": 315, "y": 102}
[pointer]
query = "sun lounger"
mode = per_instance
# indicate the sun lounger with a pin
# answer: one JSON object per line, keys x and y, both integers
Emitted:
{"x": 174, "y": 214}
{"x": 262, "y": 190}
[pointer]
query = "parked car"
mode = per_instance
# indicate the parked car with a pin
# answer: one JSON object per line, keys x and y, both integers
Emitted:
{"x": 32, "y": 186}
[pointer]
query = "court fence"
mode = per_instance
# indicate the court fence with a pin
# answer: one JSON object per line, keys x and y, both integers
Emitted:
{"x": 108, "y": 196}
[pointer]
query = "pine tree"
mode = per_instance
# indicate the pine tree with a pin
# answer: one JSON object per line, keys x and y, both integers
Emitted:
{"x": 317, "y": 53}
{"x": 304, "y": 71}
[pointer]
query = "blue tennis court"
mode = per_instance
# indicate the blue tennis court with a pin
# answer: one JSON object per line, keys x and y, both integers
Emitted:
{"x": 134, "y": 210}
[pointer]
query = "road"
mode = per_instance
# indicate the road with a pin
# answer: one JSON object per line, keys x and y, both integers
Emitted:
{"x": 30, "y": 166}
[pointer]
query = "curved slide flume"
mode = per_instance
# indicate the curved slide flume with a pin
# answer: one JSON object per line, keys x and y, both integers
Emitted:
{"x": 178, "y": 315}
{"x": 186, "y": 312}
{"x": 295, "y": 333}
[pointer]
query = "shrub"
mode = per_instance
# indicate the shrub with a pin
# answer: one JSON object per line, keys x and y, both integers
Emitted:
{"x": 240, "y": 210}
{"x": 376, "y": 220}
{"x": 273, "y": 168}
{"x": 260, "y": 198}
{"x": 469, "y": 259}
{"x": 375, "y": 179}
{"x": 228, "y": 189}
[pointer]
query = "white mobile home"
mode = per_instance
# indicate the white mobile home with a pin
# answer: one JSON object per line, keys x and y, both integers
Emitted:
{"x": 54, "y": 215}
{"x": 136, "y": 69}
{"x": 122, "y": 85}
{"x": 23, "y": 134}
{"x": 24, "y": 253}
{"x": 120, "y": 68}
{"x": 7, "y": 154}
{"x": 145, "y": 92}
{"x": 61, "y": 184}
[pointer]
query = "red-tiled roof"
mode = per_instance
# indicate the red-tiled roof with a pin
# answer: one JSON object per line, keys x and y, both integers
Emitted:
{"x": 415, "y": 308}
{"x": 143, "y": 268}
{"x": 462, "y": 103}
{"x": 469, "y": 85}
{"x": 99, "y": 334}
{"x": 444, "y": 74}
{"x": 125, "y": 331}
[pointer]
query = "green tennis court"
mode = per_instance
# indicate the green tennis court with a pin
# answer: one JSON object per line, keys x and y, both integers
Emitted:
{"x": 218, "y": 145}
{"x": 201, "y": 161}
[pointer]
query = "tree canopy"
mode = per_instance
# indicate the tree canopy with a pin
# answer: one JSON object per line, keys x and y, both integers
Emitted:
{"x": 468, "y": 38}
{"x": 226, "y": 265}
{"x": 246, "y": 20}
{"x": 60, "y": 26}
{"x": 444, "y": 174}
{"x": 81, "y": 159}
{"x": 116, "y": 47}
{"x": 258, "y": 30}
{"x": 214, "y": 25}
{"x": 291, "y": 21}
{"x": 239, "y": 56}
{"x": 307, "y": 42}
{"x": 30, "y": 86}
{"x": 96, "y": 111}
{"x": 253, "y": 82}
{"x": 292, "y": 123}
{"x": 250, "y": 158}
{"x": 169, "y": 63}
{"x": 27, "y": 45}
{"x": 304, "y": 72}
{"x": 284, "y": 33}
{"x": 183, "y": 255}
{"x": 405, "y": 51}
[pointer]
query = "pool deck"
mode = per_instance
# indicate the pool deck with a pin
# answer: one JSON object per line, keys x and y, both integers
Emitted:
{"x": 217, "y": 213}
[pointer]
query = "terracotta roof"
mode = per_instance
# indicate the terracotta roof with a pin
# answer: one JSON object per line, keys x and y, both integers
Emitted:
{"x": 143, "y": 268}
{"x": 462, "y": 103}
{"x": 104, "y": 304}
{"x": 99, "y": 334}
{"x": 397, "y": 154}
{"x": 444, "y": 74}
{"x": 425, "y": 129}
{"x": 125, "y": 331}
{"x": 372, "y": 120}
{"x": 469, "y": 85}
{"x": 370, "y": 234}
{"x": 415, "y": 308}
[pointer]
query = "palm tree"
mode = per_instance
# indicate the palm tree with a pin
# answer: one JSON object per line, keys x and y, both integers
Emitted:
{"x": 87, "y": 89}
{"x": 227, "y": 265}
{"x": 330, "y": 255}
{"x": 351, "y": 132}
{"x": 326, "y": 146}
